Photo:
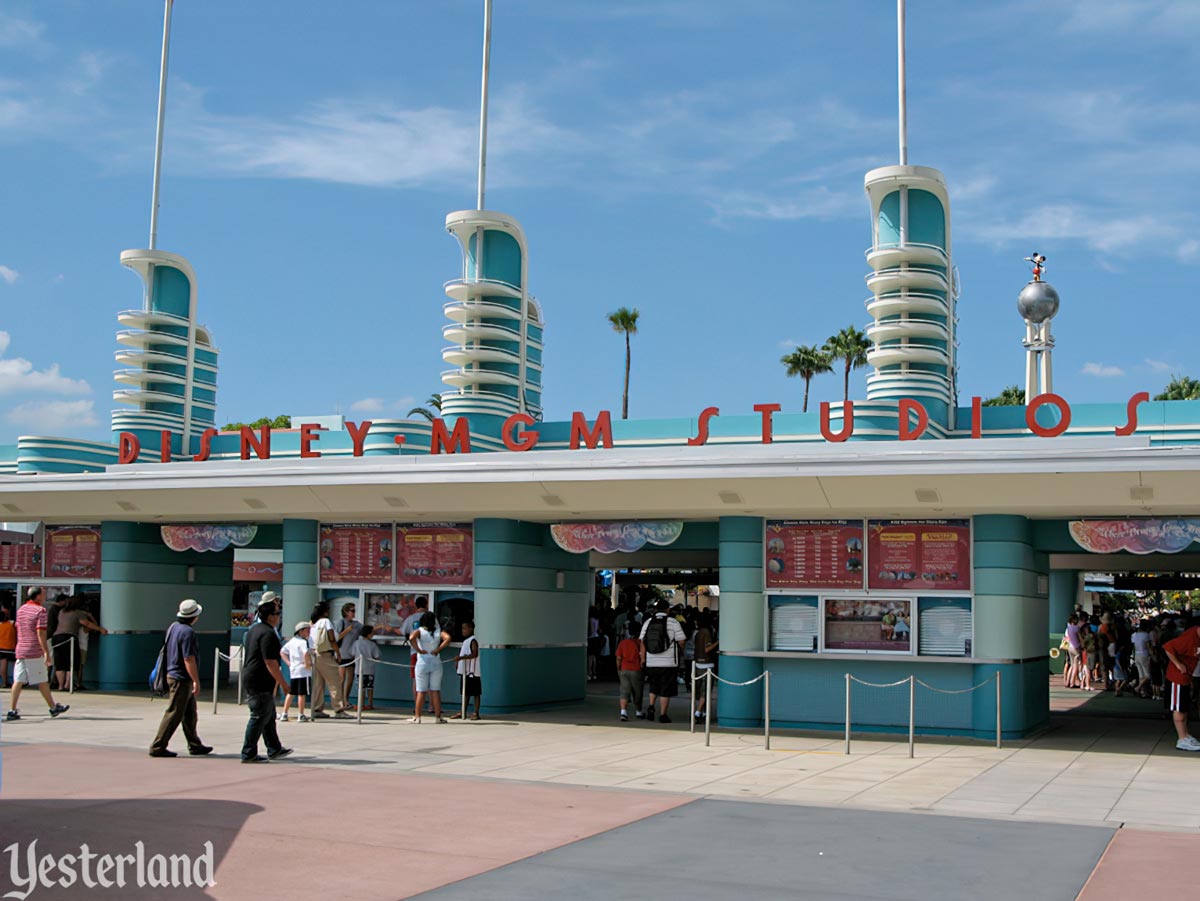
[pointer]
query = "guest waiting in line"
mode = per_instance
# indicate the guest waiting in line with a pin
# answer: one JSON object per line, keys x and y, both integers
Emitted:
{"x": 325, "y": 665}
{"x": 428, "y": 641}
{"x": 468, "y": 669}
{"x": 347, "y": 629}
{"x": 706, "y": 658}
{"x": 298, "y": 657}
{"x": 367, "y": 652}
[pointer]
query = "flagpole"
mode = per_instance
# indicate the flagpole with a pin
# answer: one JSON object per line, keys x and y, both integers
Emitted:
{"x": 902, "y": 83}
{"x": 158, "y": 137}
{"x": 483, "y": 103}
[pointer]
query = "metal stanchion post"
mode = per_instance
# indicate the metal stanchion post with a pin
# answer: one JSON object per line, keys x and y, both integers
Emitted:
{"x": 359, "y": 678}
{"x": 912, "y": 709}
{"x": 463, "y": 691}
{"x": 847, "y": 713}
{"x": 692, "y": 715}
{"x": 767, "y": 710}
{"x": 707, "y": 707}
{"x": 216, "y": 676}
{"x": 997, "y": 708}
{"x": 241, "y": 673}
{"x": 71, "y": 672}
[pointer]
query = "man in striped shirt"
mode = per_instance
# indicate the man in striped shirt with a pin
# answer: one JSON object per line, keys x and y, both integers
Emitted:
{"x": 33, "y": 653}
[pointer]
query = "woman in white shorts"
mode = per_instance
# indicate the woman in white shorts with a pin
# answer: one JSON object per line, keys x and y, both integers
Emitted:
{"x": 428, "y": 641}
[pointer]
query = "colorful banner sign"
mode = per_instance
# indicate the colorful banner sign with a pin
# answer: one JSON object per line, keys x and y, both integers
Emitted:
{"x": 21, "y": 561}
{"x": 73, "y": 551}
{"x": 207, "y": 538}
{"x": 614, "y": 537}
{"x": 356, "y": 552}
{"x": 436, "y": 553}
{"x": 1137, "y": 536}
{"x": 925, "y": 554}
{"x": 815, "y": 553}
{"x": 877, "y": 624}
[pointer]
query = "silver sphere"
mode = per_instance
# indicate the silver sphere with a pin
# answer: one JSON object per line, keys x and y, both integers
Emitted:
{"x": 1037, "y": 302}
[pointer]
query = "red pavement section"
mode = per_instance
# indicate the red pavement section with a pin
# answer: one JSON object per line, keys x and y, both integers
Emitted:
{"x": 1140, "y": 864}
{"x": 289, "y": 830}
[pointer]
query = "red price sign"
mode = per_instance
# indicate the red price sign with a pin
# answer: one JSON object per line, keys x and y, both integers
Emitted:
{"x": 21, "y": 560}
{"x": 73, "y": 552}
{"x": 925, "y": 555}
{"x": 435, "y": 554}
{"x": 818, "y": 553}
{"x": 356, "y": 552}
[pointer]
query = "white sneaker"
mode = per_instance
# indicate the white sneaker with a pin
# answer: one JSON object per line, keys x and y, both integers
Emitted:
{"x": 283, "y": 718}
{"x": 1188, "y": 744}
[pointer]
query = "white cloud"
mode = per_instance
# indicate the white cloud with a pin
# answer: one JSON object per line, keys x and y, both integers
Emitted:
{"x": 1160, "y": 365}
{"x": 1102, "y": 370}
{"x": 368, "y": 405}
{"x": 1188, "y": 251}
{"x": 8, "y": 274}
{"x": 54, "y": 415}
{"x": 16, "y": 32}
{"x": 1174, "y": 18}
{"x": 1101, "y": 230}
{"x": 18, "y": 376}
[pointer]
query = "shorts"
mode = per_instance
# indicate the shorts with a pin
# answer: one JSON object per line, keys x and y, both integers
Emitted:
{"x": 474, "y": 687}
{"x": 1143, "y": 665}
{"x": 62, "y": 652}
{"x": 595, "y": 645}
{"x": 662, "y": 681}
{"x": 631, "y": 685}
{"x": 82, "y": 639}
{"x": 8, "y": 653}
{"x": 1179, "y": 698}
{"x": 31, "y": 671}
{"x": 299, "y": 687}
{"x": 429, "y": 678}
{"x": 368, "y": 681}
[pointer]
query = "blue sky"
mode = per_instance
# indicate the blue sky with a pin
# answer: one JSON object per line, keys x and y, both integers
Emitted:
{"x": 701, "y": 161}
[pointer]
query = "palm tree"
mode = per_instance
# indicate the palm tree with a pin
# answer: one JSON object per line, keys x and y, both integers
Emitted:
{"x": 1181, "y": 387}
{"x": 430, "y": 410}
{"x": 624, "y": 322}
{"x": 1012, "y": 396}
{"x": 807, "y": 361}
{"x": 851, "y": 346}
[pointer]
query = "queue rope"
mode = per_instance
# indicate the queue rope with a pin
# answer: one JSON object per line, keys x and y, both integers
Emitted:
{"x": 956, "y": 691}
{"x": 878, "y": 684}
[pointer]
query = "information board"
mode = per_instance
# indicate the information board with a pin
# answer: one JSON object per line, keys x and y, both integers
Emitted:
{"x": 73, "y": 551}
{"x": 925, "y": 555}
{"x": 814, "y": 553}
{"x": 356, "y": 552}
{"x": 437, "y": 553}
{"x": 21, "y": 560}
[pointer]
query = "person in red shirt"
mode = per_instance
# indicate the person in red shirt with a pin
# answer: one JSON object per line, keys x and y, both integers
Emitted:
{"x": 629, "y": 672}
{"x": 1183, "y": 653}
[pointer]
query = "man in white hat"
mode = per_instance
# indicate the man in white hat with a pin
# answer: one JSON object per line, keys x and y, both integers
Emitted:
{"x": 183, "y": 684}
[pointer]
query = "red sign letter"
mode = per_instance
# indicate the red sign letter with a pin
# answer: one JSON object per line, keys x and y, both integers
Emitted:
{"x": 847, "y": 422}
{"x": 358, "y": 434}
{"x": 261, "y": 446}
{"x": 592, "y": 437}
{"x": 1054, "y": 430}
{"x": 206, "y": 444}
{"x": 164, "y": 447}
{"x": 128, "y": 448}
{"x": 456, "y": 442}
{"x": 1131, "y": 413}
{"x": 908, "y": 405}
{"x": 527, "y": 439}
{"x": 702, "y": 426}
{"x": 976, "y": 417}
{"x": 767, "y": 411}
{"x": 309, "y": 432}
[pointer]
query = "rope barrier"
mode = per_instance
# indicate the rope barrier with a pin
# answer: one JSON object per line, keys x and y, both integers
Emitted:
{"x": 956, "y": 691}
{"x": 708, "y": 677}
{"x": 877, "y": 684}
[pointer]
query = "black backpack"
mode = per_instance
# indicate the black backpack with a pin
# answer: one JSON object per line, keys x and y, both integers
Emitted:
{"x": 158, "y": 675}
{"x": 658, "y": 639}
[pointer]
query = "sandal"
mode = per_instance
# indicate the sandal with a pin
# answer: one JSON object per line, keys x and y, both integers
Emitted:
{"x": 475, "y": 716}
{"x": 456, "y": 716}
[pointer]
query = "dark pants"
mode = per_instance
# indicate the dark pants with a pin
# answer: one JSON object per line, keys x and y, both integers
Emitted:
{"x": 261, "y": 725}
{"x": 181, "y": 711}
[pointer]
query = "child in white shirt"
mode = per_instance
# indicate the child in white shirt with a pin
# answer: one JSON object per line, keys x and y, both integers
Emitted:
{"x": 366, "y": 649}
{"x": 298, "y": 657}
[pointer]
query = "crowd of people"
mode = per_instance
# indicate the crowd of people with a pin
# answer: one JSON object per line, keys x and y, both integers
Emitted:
{"x": 1152, "y": 656}
{"x": 649, "y": 648}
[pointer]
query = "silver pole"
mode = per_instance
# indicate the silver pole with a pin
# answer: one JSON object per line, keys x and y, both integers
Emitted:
{"x": 71, "y": 672}
{"x": 997, "y": 709}
{"x": 241, "y": 671}
{"x": 767, "y": 710}
{"x": 912, "y": 708}
{"x": 216, "y": 676}
{"x": 847, "y": 713}
{"x": 463, "y": 691}
{"x": 692, "y": 702}
{"x": 483, "y": 101}
{"x": 902, "y": 83}
{"x": 707, "y": 704}
{"x": 158, "y": 136}
{"x": 358, "y": 676}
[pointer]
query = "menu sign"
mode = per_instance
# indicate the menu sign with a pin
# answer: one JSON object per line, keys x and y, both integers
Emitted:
{"x": 356, "y": 552}
{"x": 21, "y": 560}
{"x": 815, "y": 553}
{"x": 927, "y": 554}
{"x": 73, "y": 551}
{"x": 438, "y": 553}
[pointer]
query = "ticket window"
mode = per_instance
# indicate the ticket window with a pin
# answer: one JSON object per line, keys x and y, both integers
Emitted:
{"x": 8, "y": 597}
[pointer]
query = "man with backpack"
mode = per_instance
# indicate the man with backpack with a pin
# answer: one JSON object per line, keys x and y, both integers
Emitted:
{"x": 183, "y": 684}
{"x": 662, "y": 640}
